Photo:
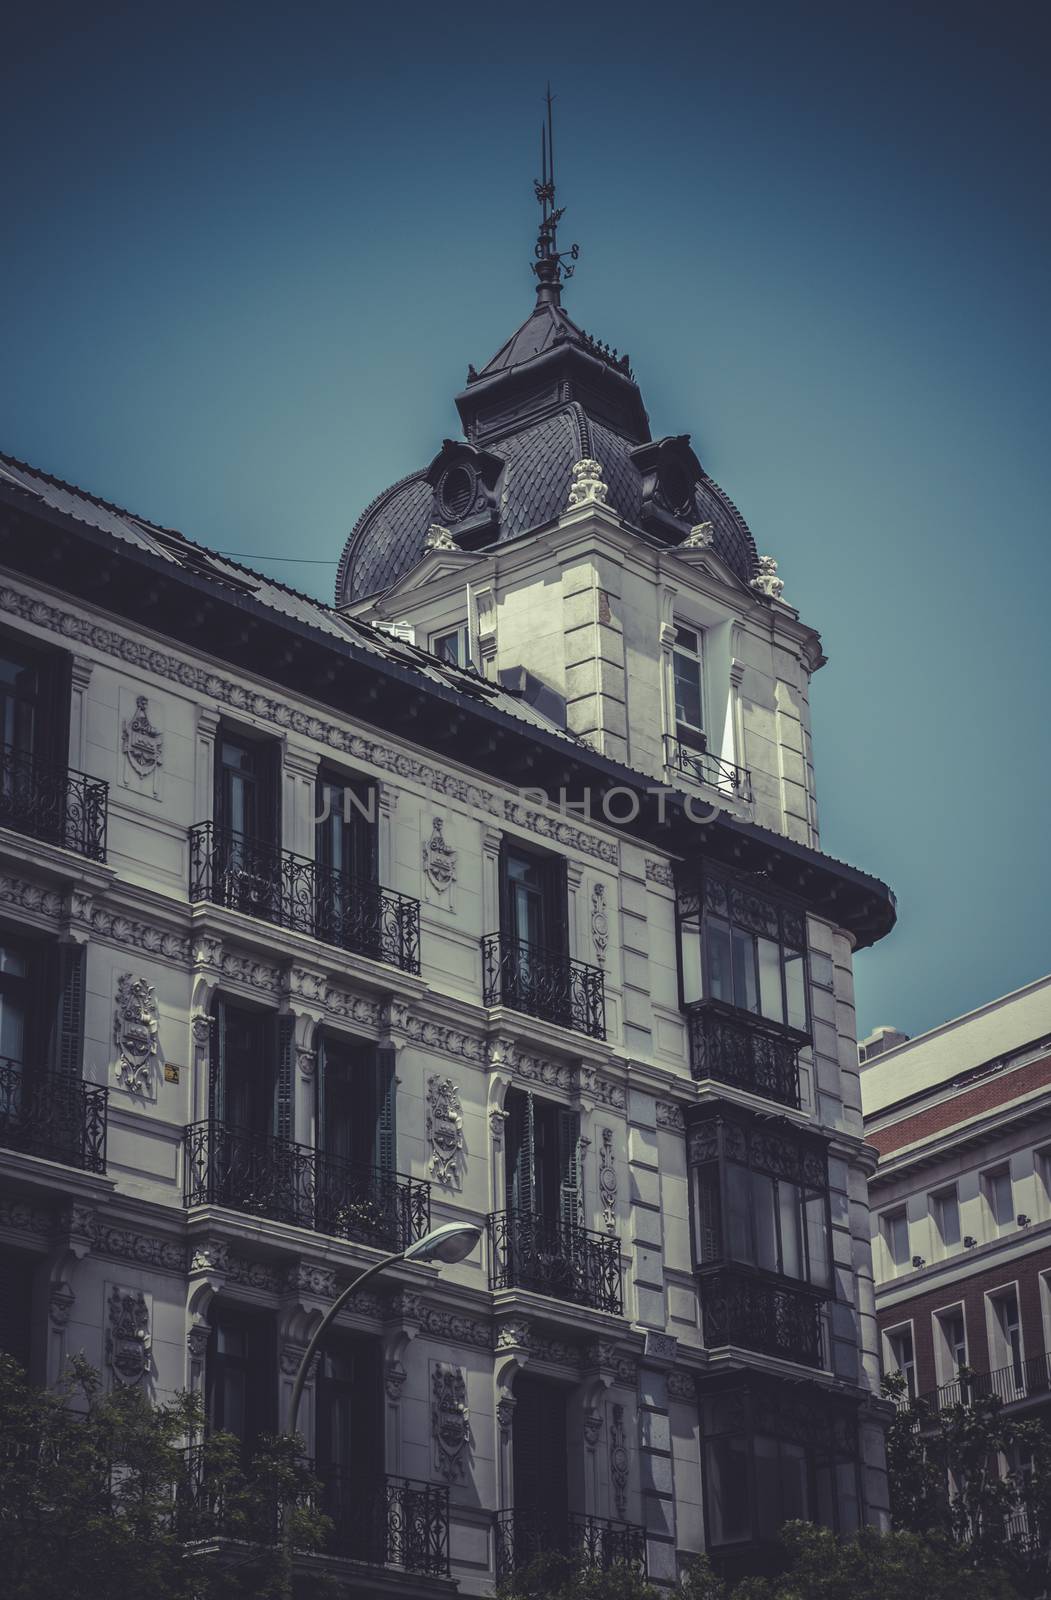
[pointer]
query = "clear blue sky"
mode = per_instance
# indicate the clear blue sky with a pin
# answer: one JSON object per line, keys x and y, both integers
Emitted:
{"x": 251, "y": 248}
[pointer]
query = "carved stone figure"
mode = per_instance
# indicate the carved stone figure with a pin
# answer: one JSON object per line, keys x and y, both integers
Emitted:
{"x": 439, "y": 860}
{"x": 766, "y": 582}
{"x": 599, "y": 922}
{"x": 135, "y": 1029}
{"x": 445, "y": 1132}
{"x": 618, "y": 1462}
{"x": 450, "y": 1421}
{"x": 607, "y": 1181}
{"x": 141, "y": 742}
{"x": 128, "y": 1335}
{"x": 587, "y": 487}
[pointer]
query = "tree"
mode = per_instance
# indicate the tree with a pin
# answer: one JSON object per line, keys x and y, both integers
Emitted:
{"x": 102, "y": 1499}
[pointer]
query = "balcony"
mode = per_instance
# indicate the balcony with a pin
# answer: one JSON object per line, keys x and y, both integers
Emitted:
{"x": 772, "y": 1318}
{"x": 53, "y": 804}
{"x": 1022, "y": 1380}
{"x": 295, "y": 892}
{"x": 401, "y": 1523}
{"x": 739, "y": 1048}
{"x": 543, "y": 983}
{"x": 574, "y": 1264}
{"x": 47, "y": 1114}
{"x": 521, "y": 1536}
{"x": 704, "y": 767}
{"x": 270, "y": 1177}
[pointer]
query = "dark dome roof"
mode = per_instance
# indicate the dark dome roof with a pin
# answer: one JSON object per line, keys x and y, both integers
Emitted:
{"x": 550, "y": 397}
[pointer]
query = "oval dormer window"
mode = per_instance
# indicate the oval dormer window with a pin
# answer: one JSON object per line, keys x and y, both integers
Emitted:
{"x": 456, "y": 492}
{"x": 676, "y": 489}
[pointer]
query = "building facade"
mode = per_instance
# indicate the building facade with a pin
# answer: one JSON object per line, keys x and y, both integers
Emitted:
{"x": 961, "y": 1202}
{"x": 494, "y": 893}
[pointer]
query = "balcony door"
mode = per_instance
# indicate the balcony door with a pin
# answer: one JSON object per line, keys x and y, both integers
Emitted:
{"x": 247, "y": 774}
{"x": 239, "y": 1375}
{"x": 349, "y": 912}
{"x": 543, "y": 1169}
{"x": 540, "y": 1457}
{"x": 35, "y": 689}
{"x": 349, "y": 1445}
{"x": 41, "y": 1046}
{"x": 358, "y": 1195}
{"x": 535, "y": 975}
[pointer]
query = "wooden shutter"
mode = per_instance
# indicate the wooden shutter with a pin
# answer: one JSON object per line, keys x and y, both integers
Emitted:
{"x": 217, "y": 1062}
{"x": 285, "y": 1079}
{"x": 569, "y": 1170}
{"x": 67, "y": 1041}
{"x": 386, "y": 1147}
{"x": 521, "y": 1149}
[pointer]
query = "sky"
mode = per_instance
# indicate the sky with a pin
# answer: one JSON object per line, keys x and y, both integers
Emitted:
{"x": 251, "y": 248}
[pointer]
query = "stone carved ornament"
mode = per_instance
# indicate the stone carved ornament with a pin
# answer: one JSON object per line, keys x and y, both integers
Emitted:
{"x": 766, "y": 582}
{"x": 618, "y": 1462}
{"x": 128, "y": 1336}
{"x": 141, "y": 742}
{"x": 450, "y": 1421}
{"x": 445, "y": 1132}
{"x": 135, "y": 1029}
{"x": 607, "y": 1181}
{"x": 587, "y": 487}
{"x": 439, "y": 859}
{"x": 599, "y": 922}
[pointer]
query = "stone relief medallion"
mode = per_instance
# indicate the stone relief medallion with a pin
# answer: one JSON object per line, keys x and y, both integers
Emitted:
{"x": 135, "y": 1029}
{"x": 439, "y": 863}
{"x": 450, "y": 1421}
{"x": 445, "y": 1132}
{"x": 141, "y": 742}
{"x": 128, "y": 1335}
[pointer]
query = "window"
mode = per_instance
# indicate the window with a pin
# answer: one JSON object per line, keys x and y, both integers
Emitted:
{"x": 1043, "y": 1172}
{"x": 356, "y": 1101}
{"x": 349, "y": 1447}
{"x": 950, "y": 1349}
{"x": 761, "y": 1201}
{"x": 895, "y": 1229}
{"x": 1006, "y": 1352}
{"x": 901, "y": 1356}
{"x": 243, "y": 1068}
{"x": 35, "y": 692}
{"x": 945, "y": 1212}
{"x": 238, "y": 1375}
{"x": 41, "y": 1048}
{"x": 534, "y": 909}
{"x": 543, "y": 1170}
{"x": 744, "y": 950}
{"x": 999, "y": 1200}
{"x": 540, "y": 1454}
{"x": 453, "y": 646}
{"x": 687, "y": 677}
{"x": 345, "y": 829}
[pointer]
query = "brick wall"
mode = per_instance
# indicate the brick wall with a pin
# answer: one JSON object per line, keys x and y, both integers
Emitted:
{"x": 999, "y": 1090}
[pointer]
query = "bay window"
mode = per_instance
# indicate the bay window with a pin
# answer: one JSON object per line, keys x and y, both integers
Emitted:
{"x": 745, "y": 950}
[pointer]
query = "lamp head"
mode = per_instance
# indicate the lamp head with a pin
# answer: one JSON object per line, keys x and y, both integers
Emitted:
{"x": 452, "y": 1242}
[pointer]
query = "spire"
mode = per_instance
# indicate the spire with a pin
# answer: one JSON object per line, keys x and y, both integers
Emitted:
{"x": 548, "y": 264}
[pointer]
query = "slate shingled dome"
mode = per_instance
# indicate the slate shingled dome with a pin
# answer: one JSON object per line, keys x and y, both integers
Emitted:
{"x": 549, "y": 397}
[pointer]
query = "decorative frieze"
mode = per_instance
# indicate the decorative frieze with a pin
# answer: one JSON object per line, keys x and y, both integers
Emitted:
{"x": 670, "y": 1115}
{"x": 445, "y": 1133}
{"x": 660, "y": 872}
{"x": 681, "y": 1384}
{"x": 31, "y": 897}
{"x": 552, "y": 825}
{"x": 128, "y": 1335}
{"x": 21, "y": 1217}
{"x": 147, "y": 1249}
{"x": 253, "y": 1274}
{"x": 450, "y": 1421}
{"x": 114, "y": 927}
{"x": 454, "y": 1327}
{"x": 135, "y": 1029}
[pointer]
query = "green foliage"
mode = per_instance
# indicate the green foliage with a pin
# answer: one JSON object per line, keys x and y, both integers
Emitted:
{"x": 100, "y": 1500}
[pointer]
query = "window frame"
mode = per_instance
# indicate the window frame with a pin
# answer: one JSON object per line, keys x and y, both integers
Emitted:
{"x": 995, "y": 1228}
{"x": 688, "y": 736}
{"x": 748, "y": 914}
{"x": 461, "y": 632}
{"x": 998, "y": 1335}
{"x": 935, "y": 1202}
{"x": 908, "y": 1371}
{"x": 943, "y": 1353}
{"x": 885, "y": 1218}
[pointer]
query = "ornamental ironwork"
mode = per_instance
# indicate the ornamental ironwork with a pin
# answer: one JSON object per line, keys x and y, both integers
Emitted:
{"x": 271, "y": 1177}
{"x": 401, "y": 1522}
{"x": 740, "y": 1309}
{"x": 703, "y": 766}
{"x": 1022, "y": 1380}
{"x": 52, "y": 1115}
{"x": 292, "y": 891}
{"x": 769, "y": 1145}
{"x": 54, "y": 804}
{"x": 543, "y": 983}
{"x": 736, "y": 1047}
{"x": 523, "y": 1535}
{"x": 566, "y": 1262}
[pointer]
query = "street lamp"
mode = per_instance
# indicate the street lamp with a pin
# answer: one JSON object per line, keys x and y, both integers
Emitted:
{"x": 443, "y": 1246}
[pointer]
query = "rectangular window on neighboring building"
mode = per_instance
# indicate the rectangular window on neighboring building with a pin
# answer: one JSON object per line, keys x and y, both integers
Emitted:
{"x": 999, "y": 1199}
{"x": 902, "y": 1356}
{"x": 1007, "y": 1354}
{"x": 950, "y": 1351}
{"x": 1043, "y": 1172}
{"x": 945, "y": 1212}
{"x": 894, "y": 1226}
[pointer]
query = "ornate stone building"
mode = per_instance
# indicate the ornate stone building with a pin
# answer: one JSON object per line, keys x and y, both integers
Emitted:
{"x": 492, "y": 892}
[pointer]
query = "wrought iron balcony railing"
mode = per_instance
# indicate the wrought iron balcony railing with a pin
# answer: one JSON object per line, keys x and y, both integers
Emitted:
{"x": 401, "y": 1522}
{"x": 568, "y": 1263}
{"x": 51, "y": 1115}
{"x": 543, "y": 983}
{"x": 591, "y": 1541}
{"x": 704, "y": 767}
{"x": 53, "y": 804}
{"x": 295, "y": 892}
{"x": 772, "y": 1318}
{"x": 736, "y": 1047}
{"x": 270, "y": 1177}
{"x": 1026, "y": 1379}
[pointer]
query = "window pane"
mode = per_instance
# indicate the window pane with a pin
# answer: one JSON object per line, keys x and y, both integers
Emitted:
{"x": 947, "y": 1217}
{"x": 767, "y": 1487}
{"x": 692, "y": 977}
{"x": 795, "y": 988}
{"x": 998, "y": 1190}
{"x": 726, "y": 1462}
{"x": 770, "y": 997}
{"x": 738, "y": 1231}
{"x": 896, "y": 1233}
{"x": 688, "y": 691}
{"x": 765, "y": 1224}
{"x": 745, "y": 991}
{"x": 795, "y": 1499}
{"x": 847, "y": 1497}
{"x": 826, "y": 1497}
{"x": 817, "y": 1240}
{"x": 791, "y": 1243}
{"x": 720, "y": 978}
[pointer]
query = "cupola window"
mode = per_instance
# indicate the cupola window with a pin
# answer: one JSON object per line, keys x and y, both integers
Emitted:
{"x": 456, "y": 491}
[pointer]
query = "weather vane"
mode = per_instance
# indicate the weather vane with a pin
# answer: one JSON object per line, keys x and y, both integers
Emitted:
{"x": 550, "y": 264}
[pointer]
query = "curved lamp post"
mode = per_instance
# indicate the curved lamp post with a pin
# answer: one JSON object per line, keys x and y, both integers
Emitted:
{"x": 452, "y": 1242}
